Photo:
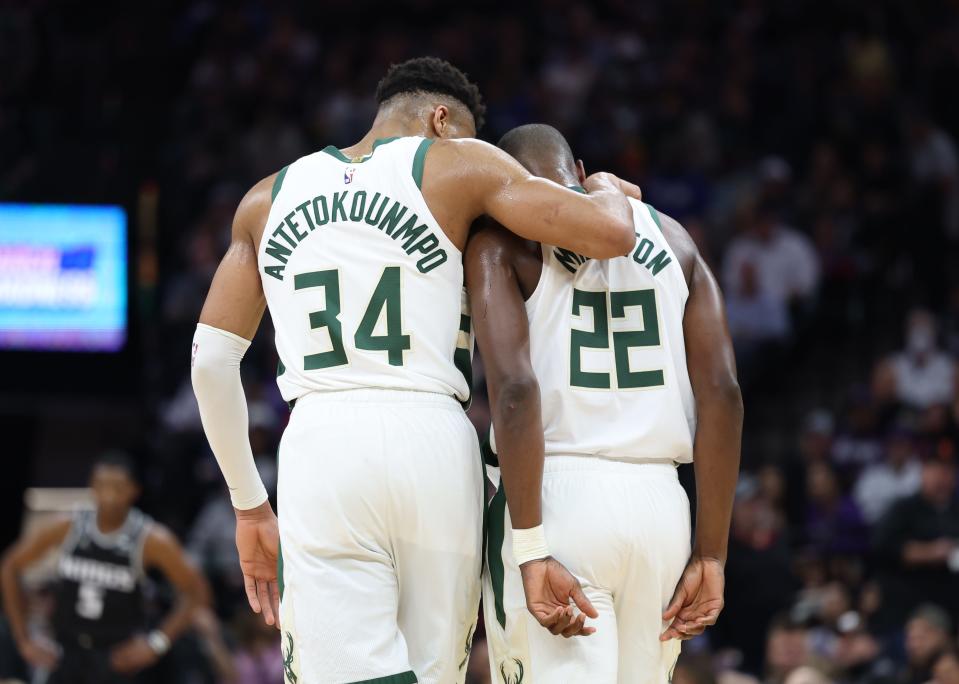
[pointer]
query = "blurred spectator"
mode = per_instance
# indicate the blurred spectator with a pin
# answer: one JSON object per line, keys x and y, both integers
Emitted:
{"x": 934, "y": 165}
{"x": 918, "y": 542}
{"x": 807, "y": 675}
{"x": 834, "y": 524}
{"x": 785, "y": 262}
{"x": 858, "y": 443}
{"x": 898, "y": 476}
{"x": 928, "y": 634}
{"x": 757, "y": 320}
{"x": 946, "y": 669}
{"x": 787, "y": 648}
{"x": 258, "y": 659}
{"x": 921, "y": 375}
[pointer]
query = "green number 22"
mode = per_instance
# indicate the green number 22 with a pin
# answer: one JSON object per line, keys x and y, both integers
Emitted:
{"x": 598, "y": 338}
{"x": 386, "y": 295}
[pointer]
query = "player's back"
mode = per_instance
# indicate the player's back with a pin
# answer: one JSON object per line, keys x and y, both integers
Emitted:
{"x": 364, "y": 287}
{"x": 607, "y": 348}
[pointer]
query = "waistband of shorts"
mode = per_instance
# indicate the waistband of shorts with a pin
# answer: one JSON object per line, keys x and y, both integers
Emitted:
{"x": 560, "y": 463}
{"x": 378, "y": 396}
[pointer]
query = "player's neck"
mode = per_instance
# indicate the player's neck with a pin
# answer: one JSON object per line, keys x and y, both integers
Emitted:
{"x": 109, "y": 523}
{"x": 386, "y": 127}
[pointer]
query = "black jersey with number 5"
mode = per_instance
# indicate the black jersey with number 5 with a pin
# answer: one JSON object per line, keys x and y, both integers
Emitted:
{"x": 99, "y": 597}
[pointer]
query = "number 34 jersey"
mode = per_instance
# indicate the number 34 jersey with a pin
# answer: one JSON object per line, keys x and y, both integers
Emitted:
{"x": 364, "y": 287}
{"x": 607, "y": 347}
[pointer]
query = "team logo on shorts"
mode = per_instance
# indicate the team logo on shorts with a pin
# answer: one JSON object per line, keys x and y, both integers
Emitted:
{"x": 348, "y": 175}
{"x": 511, "y": 671}
{"x": 287, "y": 653}
{"x": 468, "y": 646}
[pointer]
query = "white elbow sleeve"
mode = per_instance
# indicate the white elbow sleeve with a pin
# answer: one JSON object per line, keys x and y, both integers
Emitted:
{"x": 215, "y": 371}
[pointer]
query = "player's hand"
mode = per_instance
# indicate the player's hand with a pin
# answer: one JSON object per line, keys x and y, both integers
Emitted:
{"x": 133, "y": 655}
{"x": 627, "y": 188}
{"x": 258, "y": 542}
{"x": 697, "y": 601}
{"x": 39, "y": 653}
{"x": 549, "y": 587}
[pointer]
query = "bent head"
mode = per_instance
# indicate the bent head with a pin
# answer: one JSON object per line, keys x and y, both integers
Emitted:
{"x": 114, "y": 484}
{"x": 433, "y": 95}
{"x": 544, "y": 152}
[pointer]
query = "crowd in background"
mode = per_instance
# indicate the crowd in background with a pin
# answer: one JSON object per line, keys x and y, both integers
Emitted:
{"x": 809, "y": 148}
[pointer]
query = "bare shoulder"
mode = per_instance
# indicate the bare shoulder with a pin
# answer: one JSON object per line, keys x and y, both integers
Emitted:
{"x": 254, "y": 208}
{"x": 681, "y": 243}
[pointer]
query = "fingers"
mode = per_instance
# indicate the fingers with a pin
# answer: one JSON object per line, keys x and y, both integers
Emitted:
{"x": 672, "y": 610}
{"x": 583, "y": 603}
{"x": 266, "y": 604}
{"x": 275, "y": 601}
{"x": 576, "y": 626}
{"x": 250, "y": 585}
{"x": 630, "y": 190}
{"x": 682, "y": 630}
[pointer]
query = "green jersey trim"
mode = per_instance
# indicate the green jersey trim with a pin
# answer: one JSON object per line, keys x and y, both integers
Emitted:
{"x": 577, "y": 188}
{"x": 655, "y": 215}
{"x": 338, "y": 154}
{"x": 279, "y": 568}
{"x": 419, "y": 160}
{"x": 278, "y": 183}
{"x": 494, "y": 550}
{"x": 402, "y": 678}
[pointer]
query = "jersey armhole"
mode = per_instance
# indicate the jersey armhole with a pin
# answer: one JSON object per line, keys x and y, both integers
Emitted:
{"x": 537, "y": 293}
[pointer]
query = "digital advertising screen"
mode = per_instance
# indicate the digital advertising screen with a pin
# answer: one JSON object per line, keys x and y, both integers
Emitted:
{"x": 63, "y": 278}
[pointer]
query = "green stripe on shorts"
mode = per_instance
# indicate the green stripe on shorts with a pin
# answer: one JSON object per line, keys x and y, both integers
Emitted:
{"x": 494, "y": 550}
{"x": 403, "y": 678}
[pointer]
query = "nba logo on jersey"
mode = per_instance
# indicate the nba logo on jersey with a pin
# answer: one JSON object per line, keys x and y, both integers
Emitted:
{"x": 348, "y": 175}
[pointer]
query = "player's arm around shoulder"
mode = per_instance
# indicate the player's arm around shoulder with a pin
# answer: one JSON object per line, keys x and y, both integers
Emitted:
{"x": 485, "y": 180}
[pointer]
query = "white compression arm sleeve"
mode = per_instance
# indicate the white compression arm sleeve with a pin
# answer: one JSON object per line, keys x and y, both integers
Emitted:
{"x": 219, "y": 392}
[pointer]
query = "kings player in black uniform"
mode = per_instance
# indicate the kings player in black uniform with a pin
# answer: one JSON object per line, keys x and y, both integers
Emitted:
{"x": 99, "y": 622}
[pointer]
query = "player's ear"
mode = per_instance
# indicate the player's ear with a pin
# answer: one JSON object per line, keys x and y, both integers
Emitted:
{"x": 580, "y": 171}
{"x": 440, "y": 121}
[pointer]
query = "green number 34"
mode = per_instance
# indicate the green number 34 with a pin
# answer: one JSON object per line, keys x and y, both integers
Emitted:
{"x": 386, "y": 295}
{"x": 623, "y": 340}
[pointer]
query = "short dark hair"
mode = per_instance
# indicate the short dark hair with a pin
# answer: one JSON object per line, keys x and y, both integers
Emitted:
{"x": 431, "y": 75}
{"x": 118, "y": 459}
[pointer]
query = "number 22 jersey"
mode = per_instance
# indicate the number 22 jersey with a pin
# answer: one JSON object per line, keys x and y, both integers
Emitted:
{"x": 606, "y": 341}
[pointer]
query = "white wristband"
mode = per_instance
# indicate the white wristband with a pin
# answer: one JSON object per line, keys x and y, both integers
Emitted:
{"x": 529, "y": 545}
{"x": 158, "y": 641}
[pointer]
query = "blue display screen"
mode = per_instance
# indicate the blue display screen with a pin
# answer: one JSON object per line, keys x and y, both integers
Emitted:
{"x": 63, "y": 277}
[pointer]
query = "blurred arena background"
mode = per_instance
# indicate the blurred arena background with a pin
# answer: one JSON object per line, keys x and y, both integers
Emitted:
{"x": 809, "y": 147}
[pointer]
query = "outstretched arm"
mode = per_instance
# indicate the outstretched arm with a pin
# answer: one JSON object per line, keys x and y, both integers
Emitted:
{"x": 598, "y": 224}
{"x": 20, "y": 556}
{"x": 502, "y": 331}
{"x": 719, "y": 410}
{"x": 230, "y": 317}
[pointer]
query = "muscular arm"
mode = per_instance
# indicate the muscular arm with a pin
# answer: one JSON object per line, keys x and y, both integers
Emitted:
{"x": 502, "y": 332}
{"x": 21, "y": 555}
{"x": 719, "y": 407}
{"x": 698, "y": 598}
{"x": 468, "y": 178}
{"x": 230, "y": 317}
{"x": 163, "y": 552}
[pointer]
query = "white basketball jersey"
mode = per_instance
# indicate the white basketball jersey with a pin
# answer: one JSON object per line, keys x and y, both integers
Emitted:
{"x": 364, "y": 287}
{"x": 606, "y": 340}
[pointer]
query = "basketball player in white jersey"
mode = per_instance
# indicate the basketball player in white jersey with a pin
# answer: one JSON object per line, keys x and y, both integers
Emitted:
{"x": 357, "y": 253}
{"x": 617, "y": 371}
